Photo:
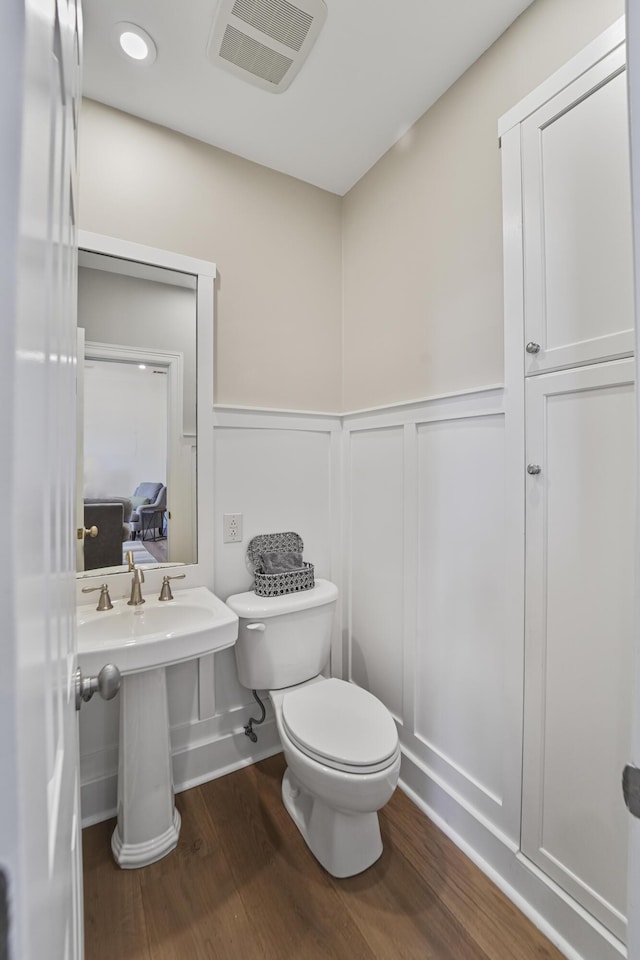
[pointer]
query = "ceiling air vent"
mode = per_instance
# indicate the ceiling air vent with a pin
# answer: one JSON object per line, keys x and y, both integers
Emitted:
{"x": 265, "y": 42}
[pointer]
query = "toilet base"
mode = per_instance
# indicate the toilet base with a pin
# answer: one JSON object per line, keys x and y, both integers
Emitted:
{"x": 344, "y": 843}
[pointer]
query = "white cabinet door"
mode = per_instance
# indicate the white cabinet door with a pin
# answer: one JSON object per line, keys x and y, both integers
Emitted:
{"x": 579, "y": 621}
{"x": 577, "y": 222}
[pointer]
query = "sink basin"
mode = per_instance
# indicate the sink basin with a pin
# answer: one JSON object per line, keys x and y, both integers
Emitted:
{"x": 141, "y": 641}
{"x": 155, "y": 634}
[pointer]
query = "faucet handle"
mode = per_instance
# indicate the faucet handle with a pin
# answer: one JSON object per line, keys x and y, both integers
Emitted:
{"x": 165, "y": 592}
{"x": 130, "y": 561}
{"x": 104, "y": 603}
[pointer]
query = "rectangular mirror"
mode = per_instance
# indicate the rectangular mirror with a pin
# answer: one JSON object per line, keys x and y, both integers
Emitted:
{"x": 137, "y": 414}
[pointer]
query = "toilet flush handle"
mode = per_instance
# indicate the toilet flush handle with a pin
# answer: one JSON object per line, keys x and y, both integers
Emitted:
{"x": 256, "y": 626}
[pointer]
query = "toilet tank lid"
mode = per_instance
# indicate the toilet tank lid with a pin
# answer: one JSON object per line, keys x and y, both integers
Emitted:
{"x": 250, "y": 606}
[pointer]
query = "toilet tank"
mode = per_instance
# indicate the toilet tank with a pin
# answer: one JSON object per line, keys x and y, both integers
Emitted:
{"x": 283, "y": 640}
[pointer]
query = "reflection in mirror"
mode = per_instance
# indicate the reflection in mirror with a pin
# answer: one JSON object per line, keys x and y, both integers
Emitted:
{"x": 137, "y": 438}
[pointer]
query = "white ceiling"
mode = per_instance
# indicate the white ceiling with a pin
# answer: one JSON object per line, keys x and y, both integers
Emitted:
{"x": 377, "y": 66}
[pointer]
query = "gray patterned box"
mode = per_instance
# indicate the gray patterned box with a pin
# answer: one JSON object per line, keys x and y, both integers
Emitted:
{"x": 277, "y": 584}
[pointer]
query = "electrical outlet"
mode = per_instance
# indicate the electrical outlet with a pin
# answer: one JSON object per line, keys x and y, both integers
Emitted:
{"x": 232, "y": 527}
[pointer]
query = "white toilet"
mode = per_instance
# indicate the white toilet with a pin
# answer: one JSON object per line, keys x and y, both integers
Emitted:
{"x": 340, "y": 742}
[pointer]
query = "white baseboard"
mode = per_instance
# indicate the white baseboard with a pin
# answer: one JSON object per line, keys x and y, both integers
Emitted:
{"x": 563, "y": 921}
{"x": 192, "y": 765}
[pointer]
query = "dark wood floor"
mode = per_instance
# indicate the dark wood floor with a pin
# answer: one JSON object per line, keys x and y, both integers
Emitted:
{"x": 242, "y": 885}
{"x": 157, "y": 549}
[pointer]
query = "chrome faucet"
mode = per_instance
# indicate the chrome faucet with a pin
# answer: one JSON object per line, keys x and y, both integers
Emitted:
{"x": 136, "y": 582}
{"x": 136, "y": 592}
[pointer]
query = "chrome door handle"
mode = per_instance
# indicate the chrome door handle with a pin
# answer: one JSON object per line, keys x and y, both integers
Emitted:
{"x": 533, "y": 469}
{"x": 532, "y": 347}
{"x": 107, "y": 684}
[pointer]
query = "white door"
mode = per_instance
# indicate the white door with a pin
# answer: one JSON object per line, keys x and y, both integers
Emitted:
{"x": 580, "y": 544}
{"x": 39, "y": 814}
{"x": 633, "y": 33}
{"x": 577, "y": 222}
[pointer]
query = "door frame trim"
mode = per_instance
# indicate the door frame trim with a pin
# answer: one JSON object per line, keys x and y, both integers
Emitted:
{"x": 587, "y": 58}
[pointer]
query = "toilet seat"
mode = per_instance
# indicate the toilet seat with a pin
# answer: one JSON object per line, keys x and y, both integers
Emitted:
{"x": 341, "y": 726}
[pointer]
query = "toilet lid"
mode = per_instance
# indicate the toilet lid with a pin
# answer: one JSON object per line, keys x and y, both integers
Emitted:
{"x": 340, "y": 723}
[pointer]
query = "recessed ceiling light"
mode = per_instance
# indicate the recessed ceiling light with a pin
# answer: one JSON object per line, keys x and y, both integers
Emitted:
{"x": 135, "y": 43}
{"x": 142, "y": 366}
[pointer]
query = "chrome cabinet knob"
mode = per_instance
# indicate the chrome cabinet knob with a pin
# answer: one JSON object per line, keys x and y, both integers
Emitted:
{"x": 107, "y": 684}
{"x": 532, "y": 347}
{"x": 533, "y": 469}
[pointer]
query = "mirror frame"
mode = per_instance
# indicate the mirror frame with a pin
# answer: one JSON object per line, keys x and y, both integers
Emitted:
{"x": 200, "y": 573}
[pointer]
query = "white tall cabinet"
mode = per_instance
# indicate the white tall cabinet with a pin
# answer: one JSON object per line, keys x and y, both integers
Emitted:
{"x": 570, "y": 397}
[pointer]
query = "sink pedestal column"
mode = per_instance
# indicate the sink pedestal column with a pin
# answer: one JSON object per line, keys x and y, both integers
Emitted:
{"x": 148, "y": 822}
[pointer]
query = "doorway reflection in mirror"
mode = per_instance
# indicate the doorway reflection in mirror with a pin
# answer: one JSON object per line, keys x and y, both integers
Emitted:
{"x": 137, "y": 414}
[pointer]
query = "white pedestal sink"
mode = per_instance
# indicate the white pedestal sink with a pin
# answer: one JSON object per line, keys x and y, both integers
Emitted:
{"x": 141, "y": 641}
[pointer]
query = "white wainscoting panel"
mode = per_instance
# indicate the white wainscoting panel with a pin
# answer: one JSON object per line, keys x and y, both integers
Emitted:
{"x": 405, "y": 509}
{"x": 376, "y": 564}
{"x": 278, "y": 480}
{"x": 459, "y": 702}
{"x": 426, "y": 516}
{"x": 281, "y": 472}
{"x": 99, "y": 729}
{"x": 426, "y": 572}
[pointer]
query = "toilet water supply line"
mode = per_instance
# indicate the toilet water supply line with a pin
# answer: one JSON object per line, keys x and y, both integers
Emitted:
{"x": 248, "y": 730}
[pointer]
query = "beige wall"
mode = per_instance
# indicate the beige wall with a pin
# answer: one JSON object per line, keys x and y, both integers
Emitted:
{"x": 276, "y": 240}
{"x": 422, "y": 239}
{"x": 414, "y": 249}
